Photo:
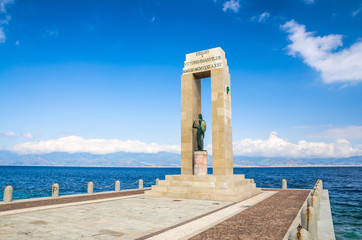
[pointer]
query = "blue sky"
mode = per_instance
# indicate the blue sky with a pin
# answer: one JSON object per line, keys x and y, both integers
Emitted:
{"x": 100, "y": 77}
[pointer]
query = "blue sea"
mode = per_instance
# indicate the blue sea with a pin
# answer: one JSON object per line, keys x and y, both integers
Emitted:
{"x": 344, "y": 185}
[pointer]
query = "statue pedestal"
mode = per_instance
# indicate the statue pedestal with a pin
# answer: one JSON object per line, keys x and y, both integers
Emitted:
{"x": 200, "y": 163}
{"x": 232, "y": 188}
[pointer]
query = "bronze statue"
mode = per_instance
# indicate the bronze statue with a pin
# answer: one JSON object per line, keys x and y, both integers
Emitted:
{"x": 201, "y": 129}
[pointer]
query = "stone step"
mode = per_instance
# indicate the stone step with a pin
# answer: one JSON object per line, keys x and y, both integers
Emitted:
{"x": 205, "y": 190}
{"x": 202, "y": 196}
{"x": 221, "y": 188}
{"x": 232, "y": 184}
{"x": 204, "y": 184}
{"x": 206, "y": 178}
{"x": 175, "y": 183}
{"x": 156, "y": 188}
{"x": 154, "y": 194}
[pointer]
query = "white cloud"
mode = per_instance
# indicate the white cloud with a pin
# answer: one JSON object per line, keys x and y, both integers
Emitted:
{"x": 75, "y": 144}
{"x": 27, "y": 135}
{"x": 309, "y": 1}
{"x": 3, "y": 4}
{"x": 53, "y": 31}
{"x": 7, "y": 134}
{"x": 233, "y": 5}
{"x": 319, "y": 52}
{"x": 354, "y": 13}
{"x": 261, "y": 18}
{"x": 6, "y": 20}
{"x": 275, "y": 146}
{"x": 2, "y": 35}
{"x": 349, "y": 132}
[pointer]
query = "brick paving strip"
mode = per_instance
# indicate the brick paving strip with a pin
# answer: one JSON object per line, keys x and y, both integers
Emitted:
{"x": 66, "y": 199}
{"x": 266, "y": 220}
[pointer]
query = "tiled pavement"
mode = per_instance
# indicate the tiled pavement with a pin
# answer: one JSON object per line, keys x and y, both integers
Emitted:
{"x": 126, "y": 218}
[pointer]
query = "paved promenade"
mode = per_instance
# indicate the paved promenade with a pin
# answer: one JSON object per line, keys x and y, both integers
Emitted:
{"x": 124, "y": 218}
{"x": 140, "y": 217}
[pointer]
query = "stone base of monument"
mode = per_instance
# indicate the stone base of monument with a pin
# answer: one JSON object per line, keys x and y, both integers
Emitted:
{"x": 231, "y": 188}
{"x": 200, "y": 163}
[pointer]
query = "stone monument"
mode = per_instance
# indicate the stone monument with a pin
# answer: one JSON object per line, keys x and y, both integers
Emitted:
{"x": 223, "y": 185}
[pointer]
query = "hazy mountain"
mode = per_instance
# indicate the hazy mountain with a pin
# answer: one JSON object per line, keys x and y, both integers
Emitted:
{"x": 265, "y": 161}
{"x": 122, "y": 159}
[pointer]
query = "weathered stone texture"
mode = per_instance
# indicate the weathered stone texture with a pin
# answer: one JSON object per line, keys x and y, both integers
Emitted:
{"x": 200, "y": 163}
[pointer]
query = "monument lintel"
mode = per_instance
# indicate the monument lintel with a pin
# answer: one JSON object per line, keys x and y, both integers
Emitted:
{"x": 201, "y": 62}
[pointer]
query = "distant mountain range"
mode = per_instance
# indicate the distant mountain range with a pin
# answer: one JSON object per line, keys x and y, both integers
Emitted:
{"x": 162, "y": 159}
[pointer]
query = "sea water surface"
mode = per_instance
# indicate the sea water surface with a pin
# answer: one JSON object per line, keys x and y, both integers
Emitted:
{"x": 344, "y": 185}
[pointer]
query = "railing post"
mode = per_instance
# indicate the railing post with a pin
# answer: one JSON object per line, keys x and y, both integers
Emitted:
{"x": 117, "y": 186}
{"x": 140, "y": 184}
{"x": 319, "y": 184}
{"x": 309, "y": 221}
{"x": 314, "y": 202}
{"x": 284, "y": 184}
{"x": 318, "y": 194}
{"x": 55, "y": 190}
{"x": 157, "y": 180}
{"x": 8, "y": 194}
{"x": 299, "y": 233}
{"x": 90, "y": 187}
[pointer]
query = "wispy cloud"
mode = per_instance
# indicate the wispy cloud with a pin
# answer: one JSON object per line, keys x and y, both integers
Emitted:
{"x": 27, "y": 135}
{"x": 354, "y": 13}
{"x": 349, "y": 132}
{"x": 4, "y": 21}
{"x": 76, "y": 144}
{"x": 309, "y": 1}
{"x": 233, "y": 5}
{"x": 3, "y": 4}
{"x": 8, "y": 134}
{"x": 275, "y": 146}
{"x": 313, "y": 126}
{"x": 261, "y": 18}
{"x": 53, "y": 31}
{"x": 2, "y": 35}
{"x": 320, "y": 53}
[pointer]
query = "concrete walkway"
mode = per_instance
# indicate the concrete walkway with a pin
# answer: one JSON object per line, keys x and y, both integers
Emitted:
{"x": 127, "y": 217}
{"x": 122, "y": 218}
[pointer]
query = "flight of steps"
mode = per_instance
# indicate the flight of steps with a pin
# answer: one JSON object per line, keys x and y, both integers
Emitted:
{"x": 231, "y": 188}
